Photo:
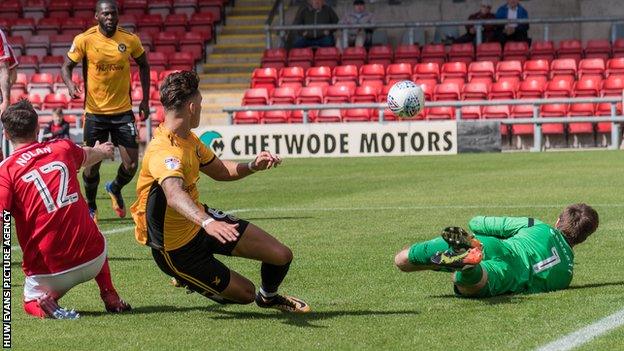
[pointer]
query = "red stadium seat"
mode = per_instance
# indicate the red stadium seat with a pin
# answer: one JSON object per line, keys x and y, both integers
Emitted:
{"x": 136, "y": 7}
{"x": 345, "y": 73}
{"x": 618, "y": 47}
{"x": 522, "y": 111}
{"x": 136, "y": 95}
{"x": 274, "y": 58}
{"x": 383, "y": 93}
{"x": 591, "y": 67}
{"x": 604, "y": 109}
{"x": 256, "y": 96}
{"x": 427, "y": 86}
{"x": 10, "y": 9}
{"x": 532, "y": 87}
{"x": 192, "y": 43}
{"x": 407, "y": 54}
{"x": 553, "y": 110}
{"x": 247, "y": 117}
{"x": 508, "y": 69}
{"x": 372, "y": 72}
{"x": 183, "y": 61}
{"x": 558, "y": 88}
{"x": 297, "y": 116}
{"x": 434, "y": 53}
{"x": 154, "y": 98}
{"x": 75, "y": 25}
{"x": 489, "y": 52}
{"x": 440, "y": 113}
{"x": 397, "y": 72}
{"x": 471, "y": 112}
{"x": 185, "y": 7}
{"x": 475, "y": 91}
{"x": 497, "y": 112}
{"x": 615, "y": 66}
{"x": 388, "y": 115}
{"x": 159, "y": 7}
{"x": 60, "y": 44}
{"x": 19, "y": 87}
{"x": 286, "y": 95}
{"x": 572, "y": 49}
{"x": 600, "y": 48}
{"x": 329, "y": 57}
{"x": 48, "y": 26}
{"x": 356, "y": 115}
{"x": 175, "y": 23}
{"x": 536, "y": 68}
{"x": 503, "y": 90}
{"x": 481, "y": 69}
{"x": 301, "y": 57}
{"x": 347, "y": 83}
{"x": 165, "y": 42}
{"x": 157, "y": 60}
{"x": 24, "y": 27}
{"x": 353, "y": 56}
{"x": 430, "y": 70}
{"x": 83, "y": 8}
{"x": 150, "y": 23}
{"x": 38, "y": 45}
{"x": 202, "y": 21}
{"x": 271, "y": 117}
{"x": 311, "y": 95}
{"x": 365, "y": 93}
{"x": 60, "y": 8}
{"x": 28, "y": 65}
{"x": 613, "y": 86}
{"x": 446, "y": 91}
{"x": 34, "y": 9}
{"x": 128, "y": 21}
{"x": 163, "y": 74}
{"x": 264, "y": 78}
{"x": 581, "y": 110}
{"x": 41, "y": 84}
{"x": 381, "y": 54}
{"x": 318, "y": 76}
{"x": 214, "y": 7}
{"x": 337, "y": 94}
{"x": 461, "y": 53}
{"x": 35, "y": 100}
{"x": 563, "y": 67}
{"x": 291, "y": 74}
{"x": 54, "y": 101}
{"x": 453, "y": 70}
{"x": 329, "y": 116}
{"x": 542, "y": 49}
{"x": 588, "y": 86}
{"x": 18, "y": 44}
{"x": 51, "y": 64}
{"x": 515, "y": 50}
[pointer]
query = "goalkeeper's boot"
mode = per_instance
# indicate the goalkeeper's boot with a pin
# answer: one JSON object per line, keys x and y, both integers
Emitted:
{"x": 458, "y": 261}
{"x": 283, "y": 303}
{"x": 116, "y": 200}
{"x": 52, "y": 310}
{"x": 113, "y": 303}
{"x": 460, "y": 240}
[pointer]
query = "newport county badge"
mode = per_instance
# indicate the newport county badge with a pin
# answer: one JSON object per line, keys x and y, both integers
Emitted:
{"x": 121, "y": 47}
{"x": 172, "y": 163}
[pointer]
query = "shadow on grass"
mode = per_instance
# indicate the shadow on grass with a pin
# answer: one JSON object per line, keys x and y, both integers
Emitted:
{"x": 597, "y": 285}
{"x": 219, "y": 312}
{"x": 495, "y": 300}
{"x": 116, "y": 220}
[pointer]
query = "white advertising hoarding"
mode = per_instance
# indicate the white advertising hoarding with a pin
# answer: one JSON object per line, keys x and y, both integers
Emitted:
{"x": 331, "y": 139}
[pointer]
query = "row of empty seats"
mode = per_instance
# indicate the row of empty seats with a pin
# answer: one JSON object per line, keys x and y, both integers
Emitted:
{"x": 439, "y": 53}
{"x": 459, "y": 72}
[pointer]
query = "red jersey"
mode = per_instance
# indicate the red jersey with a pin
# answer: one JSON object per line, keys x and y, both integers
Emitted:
{"x": 6, "y": 52}
{"x": 39, "y": 186}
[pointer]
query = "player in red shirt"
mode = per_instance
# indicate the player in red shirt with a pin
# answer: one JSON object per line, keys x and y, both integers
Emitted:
{"x": 62, "y": 246}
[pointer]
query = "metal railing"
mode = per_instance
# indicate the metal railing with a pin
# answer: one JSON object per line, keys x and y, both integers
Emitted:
{"x": 536, "y": 120}
{"x": 411, "y": 26}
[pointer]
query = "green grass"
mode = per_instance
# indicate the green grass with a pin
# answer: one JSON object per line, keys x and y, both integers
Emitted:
{"x": 345, "y": 219}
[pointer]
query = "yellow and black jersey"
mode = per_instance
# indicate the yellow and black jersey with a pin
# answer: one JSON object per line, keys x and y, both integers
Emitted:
{"x": 106, "y": 68}
{"x": 167, "y": 155}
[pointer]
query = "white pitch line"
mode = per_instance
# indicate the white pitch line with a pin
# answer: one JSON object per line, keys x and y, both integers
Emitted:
{"x": 106, "y": 232}
{"x": 583, "y": 336}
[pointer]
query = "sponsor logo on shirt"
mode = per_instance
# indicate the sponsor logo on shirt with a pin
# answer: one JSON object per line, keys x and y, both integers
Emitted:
{"x": 121, "y": 47}
{"x": 172, "y": 163}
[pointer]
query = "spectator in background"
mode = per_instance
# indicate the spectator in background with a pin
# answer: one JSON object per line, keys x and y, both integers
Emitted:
{"x": 57, "y": 128}
{"x": 315, "y": 12}
{"x": 513, "y": 31}
{"x": 359, "y": 15}
{"x": 489, "y": 31}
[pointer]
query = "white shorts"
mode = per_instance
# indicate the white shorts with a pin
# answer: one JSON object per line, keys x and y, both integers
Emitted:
{"x": 59, "y": 284}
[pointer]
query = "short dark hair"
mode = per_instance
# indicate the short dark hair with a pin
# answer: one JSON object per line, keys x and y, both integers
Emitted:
{"x": 577, "y": 222}
{"x": 102, "y": 2}
{"x": 20, "y": 120}
{"x": 178, "y": 88}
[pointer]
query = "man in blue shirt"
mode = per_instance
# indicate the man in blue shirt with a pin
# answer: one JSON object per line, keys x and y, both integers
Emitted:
{"x": 513, "y": 31}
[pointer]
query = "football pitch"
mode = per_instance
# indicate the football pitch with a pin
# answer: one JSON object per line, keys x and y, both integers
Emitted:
{"x": 345, "y": 219}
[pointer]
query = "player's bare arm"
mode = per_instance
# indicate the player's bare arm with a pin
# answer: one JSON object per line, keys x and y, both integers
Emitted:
{"x": 4, "y": 86}
{"x": 66, "y": 73}
{"x": 179, "y": 200}
{"x": 144, "y": 74}
{"x": 229, "y": 170}
{"x": 98, "y": 153}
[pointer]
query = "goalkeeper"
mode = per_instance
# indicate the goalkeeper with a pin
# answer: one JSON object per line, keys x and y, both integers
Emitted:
{"x": 506, "y": 255}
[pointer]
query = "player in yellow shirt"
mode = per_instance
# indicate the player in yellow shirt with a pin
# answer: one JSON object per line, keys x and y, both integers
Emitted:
{"x": 105, "y": 51}
{"x": 184, "y": 234}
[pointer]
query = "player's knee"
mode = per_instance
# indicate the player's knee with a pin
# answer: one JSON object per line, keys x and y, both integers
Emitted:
{"x": 283, "y": 256}
{"x": 131, "y": 168}
{"x": 402, "y": 262}
{"x": 248, "y": 294}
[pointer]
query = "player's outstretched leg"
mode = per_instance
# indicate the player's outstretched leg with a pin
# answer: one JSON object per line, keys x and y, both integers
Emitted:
{"x": 256, "y": 244}
{"x": 418, "y": 256}
{"x": 112, "y": 302}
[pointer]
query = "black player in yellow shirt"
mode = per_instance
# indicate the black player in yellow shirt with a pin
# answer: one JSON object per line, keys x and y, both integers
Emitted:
{"x": 184, "y": 234}
{"x": 105, "y": 51}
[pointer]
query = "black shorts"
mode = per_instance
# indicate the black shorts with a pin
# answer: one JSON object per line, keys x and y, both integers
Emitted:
{"x": 120, "y": 127}
{"x": 194, "y": 264}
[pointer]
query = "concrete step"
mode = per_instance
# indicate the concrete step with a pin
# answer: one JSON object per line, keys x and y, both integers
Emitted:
{"x": 225, "y": 78}
{"x": 230, "y": 67}
{"x": 217, "y": 98}
{"x": 251, "y": 10}
{"x": 246, "y": 20}
{"x": 224, "y": 48}
{"x": 241, "y": 38}
{"x": 235, "y": 58}
{"x": 255, "y": 29}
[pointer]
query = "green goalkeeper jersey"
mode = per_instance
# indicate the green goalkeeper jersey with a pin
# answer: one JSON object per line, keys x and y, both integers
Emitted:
{"x": 538, "y": 255}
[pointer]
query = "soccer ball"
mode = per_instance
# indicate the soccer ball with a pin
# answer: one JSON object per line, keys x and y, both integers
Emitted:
{"x": 406, "y": 99}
